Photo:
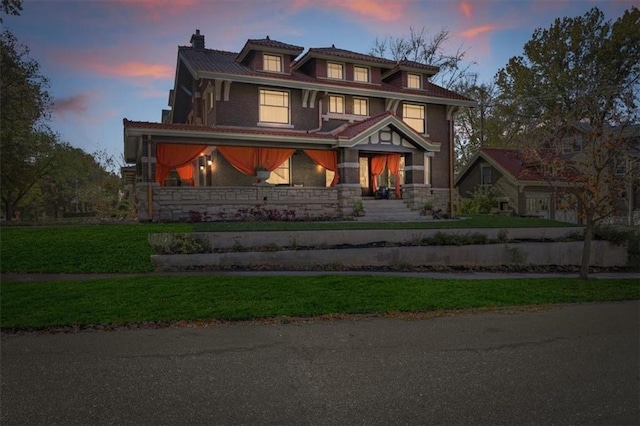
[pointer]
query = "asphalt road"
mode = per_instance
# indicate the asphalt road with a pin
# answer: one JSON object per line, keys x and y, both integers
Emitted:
{"x": 576, "y": 364}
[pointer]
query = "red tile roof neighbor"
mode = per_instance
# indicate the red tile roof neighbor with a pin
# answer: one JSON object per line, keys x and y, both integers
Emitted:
{"x": 522, "y": 167}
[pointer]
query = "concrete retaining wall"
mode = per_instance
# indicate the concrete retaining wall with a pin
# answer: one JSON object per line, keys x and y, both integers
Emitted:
{"x": 226, "y": 240}
{"x": 604, "y": 254}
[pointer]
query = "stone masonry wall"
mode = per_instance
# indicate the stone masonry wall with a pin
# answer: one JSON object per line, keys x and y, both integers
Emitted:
{"x": 177, "y": 204}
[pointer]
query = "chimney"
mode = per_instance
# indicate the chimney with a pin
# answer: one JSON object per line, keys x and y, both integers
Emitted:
{"x": 197, "y": 40}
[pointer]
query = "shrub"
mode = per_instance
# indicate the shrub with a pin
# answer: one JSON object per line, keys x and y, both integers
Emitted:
{"x": 179, "y": 244}
{"x": 622, "y": 237}
{"x": 481, "y": 201}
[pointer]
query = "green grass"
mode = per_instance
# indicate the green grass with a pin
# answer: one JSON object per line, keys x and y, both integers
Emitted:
{"x": 80, "y": 248}
{"x": 168, "y": 299}
{"x": 123, "y": 247}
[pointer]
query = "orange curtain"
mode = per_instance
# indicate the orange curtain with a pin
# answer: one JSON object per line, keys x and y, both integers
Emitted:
{"x": 327, "y": 159}
{"x": 244, "y": 159}
{"x": 172, "y": 155}
{"x": 271, "y": 158}
{"x": 393, "y": 164}
{"x": 377, "y": 166}
{"x": 186, "y": 173}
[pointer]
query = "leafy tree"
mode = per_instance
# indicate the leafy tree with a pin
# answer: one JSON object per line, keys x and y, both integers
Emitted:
{"x": 11, "y": 7}
{"x": 581, "y": 71}
{"x": 25, "y": 142}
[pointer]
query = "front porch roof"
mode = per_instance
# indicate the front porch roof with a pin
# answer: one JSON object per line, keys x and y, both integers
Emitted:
{"x": 346, "y": 136}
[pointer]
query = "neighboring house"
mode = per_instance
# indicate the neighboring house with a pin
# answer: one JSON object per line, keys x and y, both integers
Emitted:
{"x": 329, "y": 126}
{"x": 516, "y": 183}
{"x": 575, "y": 142}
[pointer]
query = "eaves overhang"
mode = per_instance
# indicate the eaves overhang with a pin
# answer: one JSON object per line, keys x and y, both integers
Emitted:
{"x": 187, "y": 136}
{"x": 358, "y": 91}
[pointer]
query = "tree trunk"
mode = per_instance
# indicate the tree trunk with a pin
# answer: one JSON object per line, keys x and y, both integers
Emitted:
{"x": 586, "y": 249}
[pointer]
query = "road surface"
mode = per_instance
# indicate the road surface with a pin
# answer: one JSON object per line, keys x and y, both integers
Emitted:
{"x": 574, "y": 364}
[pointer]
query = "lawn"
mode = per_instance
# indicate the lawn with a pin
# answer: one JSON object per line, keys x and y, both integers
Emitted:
{"x": 169, "y": 299}
{"x": 123, "y": 247}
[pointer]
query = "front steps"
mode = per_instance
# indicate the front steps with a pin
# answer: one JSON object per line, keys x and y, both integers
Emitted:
{"x": 388, "y": 211}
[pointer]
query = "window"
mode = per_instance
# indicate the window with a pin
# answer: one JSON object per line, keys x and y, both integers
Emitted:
{"x": 361, "y": 74}
{"x": 413, "y": 115}
{"x": 281, "y": 175}
{"x": 274, "y": 106}
{"x": 272, "y": 63}
{"x": 414, "y": 81}
{"x": 360, "y": 106}
{"x": 485, "y": 175}
{"x": 620, "y": 166}
{"x": 336, "y": 104}
{"x": 335, "y": 70}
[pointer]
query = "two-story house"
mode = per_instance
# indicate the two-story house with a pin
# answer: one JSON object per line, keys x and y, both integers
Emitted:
{"x": 310, "y": 133}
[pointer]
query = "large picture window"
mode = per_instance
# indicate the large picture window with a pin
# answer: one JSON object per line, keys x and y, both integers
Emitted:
{"x": 336, "y": 104}
{"x": 281, "y": 175}
{"x": 414, "y": 115}
{"x": 335, "y": 70}
{"x": 274, "y": 106}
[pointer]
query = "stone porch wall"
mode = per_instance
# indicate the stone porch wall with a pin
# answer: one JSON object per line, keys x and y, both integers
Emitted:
{"x": 416, "y": 195}
{"x": 177, "y": 204}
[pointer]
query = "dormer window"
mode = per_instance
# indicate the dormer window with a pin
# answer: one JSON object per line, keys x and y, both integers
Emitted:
{"x": 361, "y": 74}
{"x": 414, "y": 81}
{"x": 335, "y": 70}
{"x": 272, "y": 63}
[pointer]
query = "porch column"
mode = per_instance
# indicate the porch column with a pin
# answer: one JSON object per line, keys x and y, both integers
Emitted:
{"x": 414, "y": 168}
{"x": 349, "y": 190}
{"x": 415, "y": 192}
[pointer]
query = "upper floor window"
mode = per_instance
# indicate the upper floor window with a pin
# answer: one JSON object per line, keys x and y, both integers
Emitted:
{"x": 414, "y": 81}
{"x": 335, "y": 70}
{"x": 361, "y": 74}
{"x": 274, "y": 106}
{"x": 360, "y": 106}
{"x": 272, "y": 63}
{"x": 336, "y": 104}
{"x": 485, "y": 175}
{"x": 414, "y": 115}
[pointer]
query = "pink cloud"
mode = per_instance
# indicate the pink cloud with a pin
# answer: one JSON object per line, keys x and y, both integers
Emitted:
{"x": 109, "y": 63}
{"x": 379, "y": 10}
{"x": 479, "y": 30}
{"x": 132, "y": 70}
{"x": 466, "y": 8}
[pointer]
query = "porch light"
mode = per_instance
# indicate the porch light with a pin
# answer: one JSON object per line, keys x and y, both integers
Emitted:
{"x": 319, "y": 168}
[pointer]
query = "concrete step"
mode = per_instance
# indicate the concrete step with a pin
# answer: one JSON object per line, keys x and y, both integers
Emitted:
{"x": 388, "y": 211}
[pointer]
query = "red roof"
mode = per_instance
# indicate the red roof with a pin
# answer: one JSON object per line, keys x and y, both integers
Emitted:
{"x": 523, "y": 166}
{"x": 218, "y": 61}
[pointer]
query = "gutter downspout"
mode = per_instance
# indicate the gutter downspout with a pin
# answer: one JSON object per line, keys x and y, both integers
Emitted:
{"x": 149, "y": 181}
{"x": 451, "y": 111}
{"x": 322, "y": 96}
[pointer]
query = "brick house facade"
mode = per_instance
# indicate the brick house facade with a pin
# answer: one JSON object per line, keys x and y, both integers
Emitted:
{"x": 330, "y": 126}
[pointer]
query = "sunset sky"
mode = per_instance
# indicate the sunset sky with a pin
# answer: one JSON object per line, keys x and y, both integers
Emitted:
{"x": 112, "y": 59}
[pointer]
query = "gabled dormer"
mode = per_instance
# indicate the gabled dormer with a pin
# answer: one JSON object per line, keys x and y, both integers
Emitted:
{"x": 410, "y": 75}
{"x": 336, "y": 64}
{"x": 266, "y": 55}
